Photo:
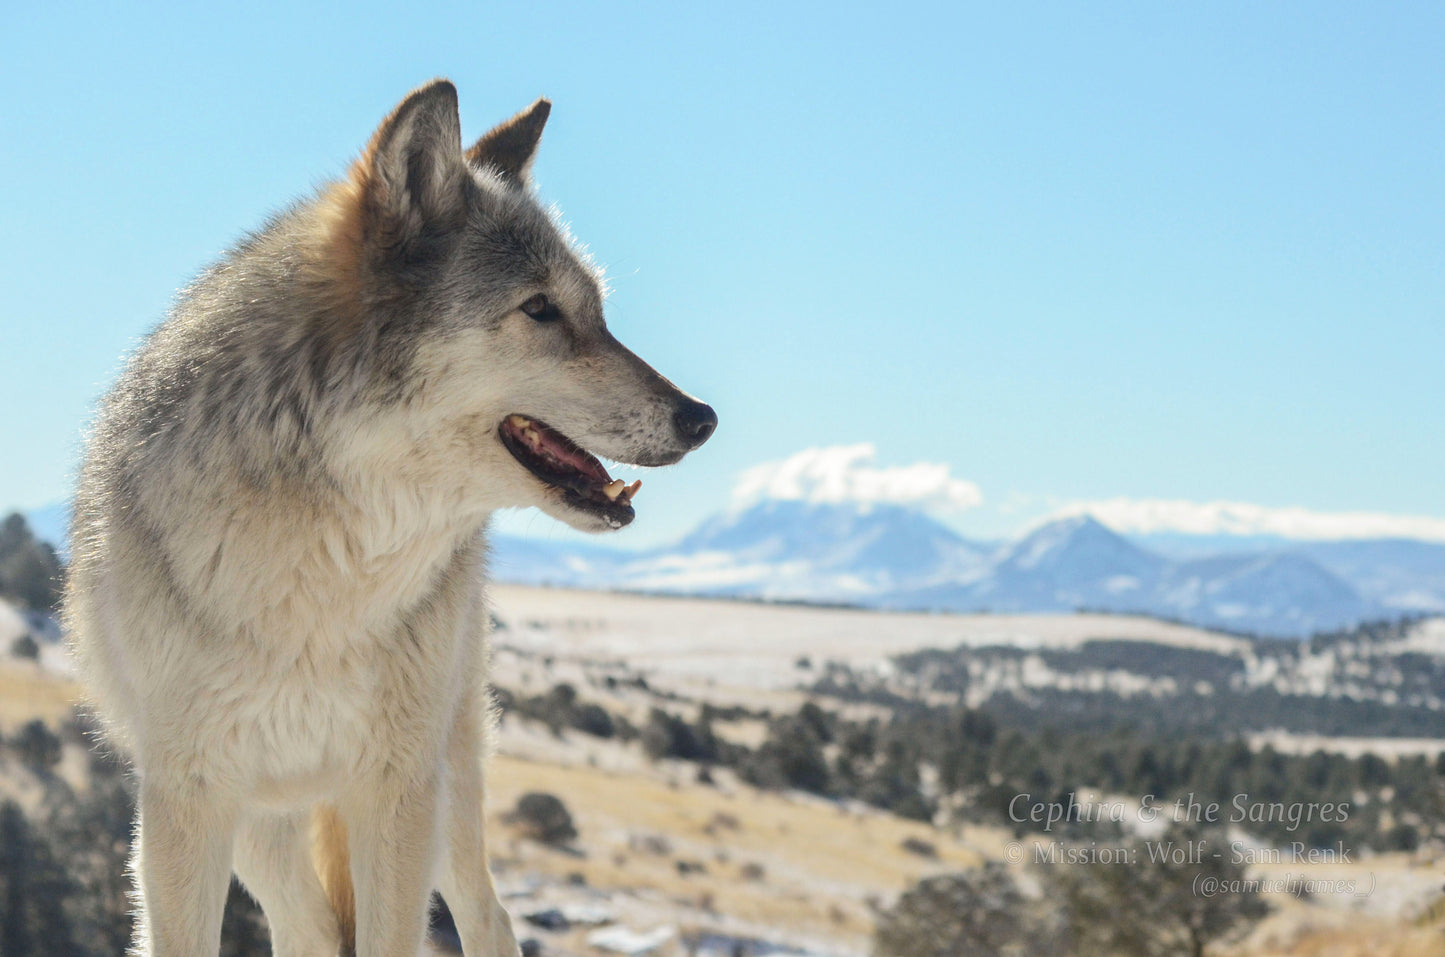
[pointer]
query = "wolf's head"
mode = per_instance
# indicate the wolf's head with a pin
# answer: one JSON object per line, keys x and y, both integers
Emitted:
{"x": 495, "y": 320}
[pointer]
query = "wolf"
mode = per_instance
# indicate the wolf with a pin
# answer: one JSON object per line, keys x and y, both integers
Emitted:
{"x": 276, "y": 593}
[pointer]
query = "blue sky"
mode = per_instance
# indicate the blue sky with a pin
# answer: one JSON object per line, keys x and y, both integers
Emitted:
{"x": 1073, "y": 252}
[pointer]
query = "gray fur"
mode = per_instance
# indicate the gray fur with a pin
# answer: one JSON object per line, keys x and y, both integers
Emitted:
{"x": 276, "y": 590}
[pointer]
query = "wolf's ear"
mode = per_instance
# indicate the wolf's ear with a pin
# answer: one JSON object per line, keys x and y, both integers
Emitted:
{"x": 413, "y": 162}
{"x": 510, "y": 146}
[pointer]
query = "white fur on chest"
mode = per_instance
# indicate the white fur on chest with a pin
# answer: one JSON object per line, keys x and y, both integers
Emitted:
{"x": 323, "y": 646}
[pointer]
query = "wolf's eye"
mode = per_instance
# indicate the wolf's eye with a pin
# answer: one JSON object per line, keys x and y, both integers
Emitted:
{"x": 541, "y": 308}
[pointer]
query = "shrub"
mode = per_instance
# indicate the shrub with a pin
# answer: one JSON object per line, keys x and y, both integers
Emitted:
{"x": 25, "y": 647}
{"x": 37, "y": 747}
{"x": 668, "y": 736}
{"x": 543, "y": 817}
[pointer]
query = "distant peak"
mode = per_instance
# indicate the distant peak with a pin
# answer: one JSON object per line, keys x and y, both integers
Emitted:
{"x": 1072, "y": 525}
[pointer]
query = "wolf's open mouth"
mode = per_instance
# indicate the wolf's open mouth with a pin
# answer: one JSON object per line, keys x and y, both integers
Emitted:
{"x": 562, "y": 464}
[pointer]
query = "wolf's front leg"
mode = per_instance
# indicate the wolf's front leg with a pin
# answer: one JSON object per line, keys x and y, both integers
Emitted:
{"x": 182, "y": 866}
{"x": 272, "y": 857}
{"x": 466, "y": 883}
{"x": 391, "y": 825}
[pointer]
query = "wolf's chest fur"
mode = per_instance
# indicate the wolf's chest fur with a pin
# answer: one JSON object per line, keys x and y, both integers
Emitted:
{"x": 308, "y": 636}
{"x": 371, "y": 625}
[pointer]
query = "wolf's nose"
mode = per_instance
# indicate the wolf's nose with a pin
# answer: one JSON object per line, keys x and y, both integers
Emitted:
{"x": 695, "y": 421}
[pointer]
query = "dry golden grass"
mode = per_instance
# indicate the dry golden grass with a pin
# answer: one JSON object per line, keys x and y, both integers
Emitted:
{"x": 1359, "y": 928}
{"x": 1369, "y": 937}
{"x": 819, "y": 864}
{"x": 27, "y": 693}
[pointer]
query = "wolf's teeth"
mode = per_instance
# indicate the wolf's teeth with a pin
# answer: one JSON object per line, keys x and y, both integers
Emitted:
{"x": 630, "y": 491}
{"x": 614, "y": 488}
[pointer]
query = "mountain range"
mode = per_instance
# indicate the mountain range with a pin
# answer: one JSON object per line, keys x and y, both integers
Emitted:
{"x": 894, "y": 557}
{"x": 900, "y": 558}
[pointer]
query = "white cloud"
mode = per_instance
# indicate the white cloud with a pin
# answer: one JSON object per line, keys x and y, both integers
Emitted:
{"x": 845, "y": 473}
{"x": 1242, "y": 518}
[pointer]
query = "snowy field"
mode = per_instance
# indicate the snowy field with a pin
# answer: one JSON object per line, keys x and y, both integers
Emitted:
{"x": 757, "y": 646}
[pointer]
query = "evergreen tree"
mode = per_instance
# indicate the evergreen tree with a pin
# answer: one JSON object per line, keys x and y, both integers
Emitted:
{"x": 1152, "y": 906}
{"x": 34, "y": 889}
{"x": 30, "y": 571}
{"x": 981, "y": 913}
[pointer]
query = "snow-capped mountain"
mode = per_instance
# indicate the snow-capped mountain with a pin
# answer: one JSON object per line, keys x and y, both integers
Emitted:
{"x": 1270, "y": 593}
{"x": 880, "y": 547}
{"x": 1064, "y": 565}
{"x": 1401, "y": 573}
{"x": 1078, "y": 563}
{"x": 1072, "y": 563}
{"x": 889, "y": 556}
{"x": 775, "y": 549}
{"x": 1396, "y": 573}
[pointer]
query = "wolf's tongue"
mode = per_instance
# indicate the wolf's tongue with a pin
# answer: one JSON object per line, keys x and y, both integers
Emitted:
{"x": 558, "y": 461}
{"x": 558, "y": 449}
